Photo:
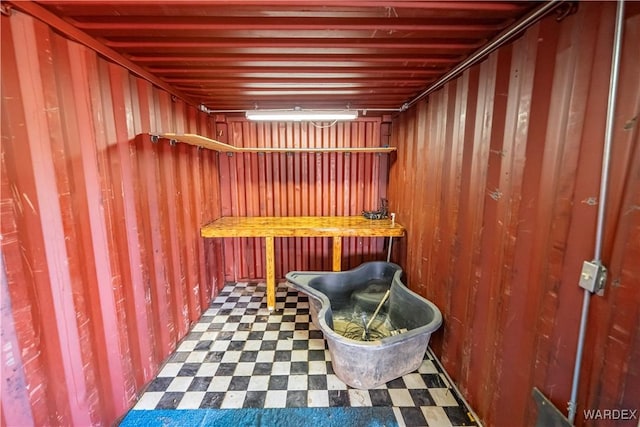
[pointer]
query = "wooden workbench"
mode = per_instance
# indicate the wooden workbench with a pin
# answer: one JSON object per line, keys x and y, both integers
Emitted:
{"x": 299, "y": 226}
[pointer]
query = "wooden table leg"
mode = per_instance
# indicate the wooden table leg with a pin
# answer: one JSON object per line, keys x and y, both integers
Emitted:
{"x": 271, "y": 273}
{"x": 337, "y": 253}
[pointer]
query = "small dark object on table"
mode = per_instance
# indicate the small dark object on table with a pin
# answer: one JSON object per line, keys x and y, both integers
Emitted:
{"x": 381, "y": 213}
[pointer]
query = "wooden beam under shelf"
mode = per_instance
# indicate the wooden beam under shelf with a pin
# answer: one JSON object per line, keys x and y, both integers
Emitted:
{"x": 212, "y": 144}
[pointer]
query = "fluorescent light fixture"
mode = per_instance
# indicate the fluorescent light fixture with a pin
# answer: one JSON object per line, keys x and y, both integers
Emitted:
{"x": 299, "y": 115}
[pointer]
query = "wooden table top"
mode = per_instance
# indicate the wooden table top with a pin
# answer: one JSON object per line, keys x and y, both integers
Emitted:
{"x": 301, "y": 226}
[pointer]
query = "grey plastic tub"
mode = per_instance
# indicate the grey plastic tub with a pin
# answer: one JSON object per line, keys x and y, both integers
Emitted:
{"x": 369, "y": 364}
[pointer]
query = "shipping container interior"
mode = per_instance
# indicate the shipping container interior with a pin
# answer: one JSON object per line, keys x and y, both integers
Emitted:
{"x": 485, "y": 126}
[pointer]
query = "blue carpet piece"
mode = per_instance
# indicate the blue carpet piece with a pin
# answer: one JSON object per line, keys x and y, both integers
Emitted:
{"x": 339, "y": 417}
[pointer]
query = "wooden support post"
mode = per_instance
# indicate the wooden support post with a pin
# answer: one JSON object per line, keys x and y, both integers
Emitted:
{"x": 271, "y": 273}
{"x": 337, "y": 253}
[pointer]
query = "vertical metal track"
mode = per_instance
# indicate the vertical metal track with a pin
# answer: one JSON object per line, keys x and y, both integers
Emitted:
{"x": 602, "y": 206}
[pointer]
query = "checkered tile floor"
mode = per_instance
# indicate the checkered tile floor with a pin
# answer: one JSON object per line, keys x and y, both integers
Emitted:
{"x": 240, "y": 356}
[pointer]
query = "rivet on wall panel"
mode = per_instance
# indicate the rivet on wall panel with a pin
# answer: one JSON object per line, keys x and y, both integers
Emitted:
{"x": 630, "y": 124}
{"x": 496, "y": 194}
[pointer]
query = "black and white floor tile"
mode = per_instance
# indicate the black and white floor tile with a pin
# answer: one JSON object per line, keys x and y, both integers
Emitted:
{"x": 240, "y": 356}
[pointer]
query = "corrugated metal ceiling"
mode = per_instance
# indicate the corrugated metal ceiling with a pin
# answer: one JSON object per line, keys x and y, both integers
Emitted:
{"x": 232, "y": 55}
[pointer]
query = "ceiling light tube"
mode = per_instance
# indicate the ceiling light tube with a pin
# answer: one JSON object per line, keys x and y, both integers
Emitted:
{"x": 301, "y": 115}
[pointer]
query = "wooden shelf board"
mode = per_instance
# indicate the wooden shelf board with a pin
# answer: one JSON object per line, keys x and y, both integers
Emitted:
{"x": 212, "y": 144}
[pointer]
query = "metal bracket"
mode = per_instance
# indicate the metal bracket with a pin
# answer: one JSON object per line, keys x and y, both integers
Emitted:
{"x": 548, "y": 415}
{"x": 6, "y": 9}
{"x": 566, "y": 9}
{"x": 593, "y": 277}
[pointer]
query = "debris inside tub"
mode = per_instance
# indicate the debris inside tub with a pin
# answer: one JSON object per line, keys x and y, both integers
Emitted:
{"x": 349, "y": 323}
{"x": 366, "y": 319}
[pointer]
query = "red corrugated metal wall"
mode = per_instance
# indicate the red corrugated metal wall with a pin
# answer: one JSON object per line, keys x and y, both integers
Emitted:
{"x": 103, "y": 266}
{"x": 497, "y": 182}
{"x": 300, "y": 184}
